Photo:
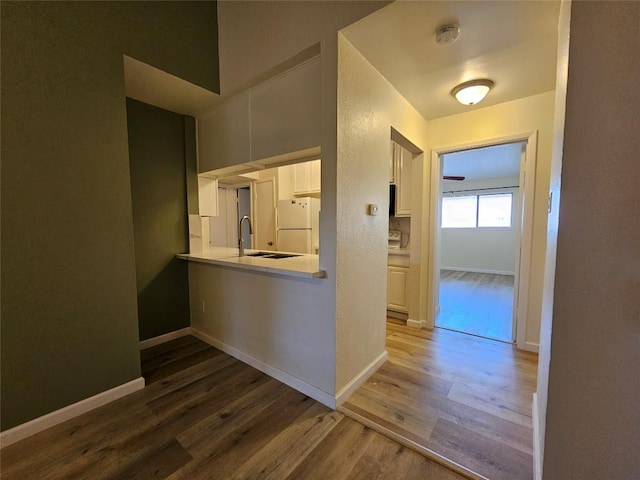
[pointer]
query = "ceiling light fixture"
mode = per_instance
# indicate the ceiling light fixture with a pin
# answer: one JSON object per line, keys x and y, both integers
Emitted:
{"x": 472, "y": 92}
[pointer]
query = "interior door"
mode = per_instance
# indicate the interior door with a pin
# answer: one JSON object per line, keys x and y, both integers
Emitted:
{"x": 265, "y": 215}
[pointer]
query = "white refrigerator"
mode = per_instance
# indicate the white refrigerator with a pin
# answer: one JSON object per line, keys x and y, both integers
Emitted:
{"x": 297, "y": 221}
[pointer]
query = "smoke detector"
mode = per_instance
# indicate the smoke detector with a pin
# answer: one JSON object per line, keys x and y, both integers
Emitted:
{"x": 447, "y": 34}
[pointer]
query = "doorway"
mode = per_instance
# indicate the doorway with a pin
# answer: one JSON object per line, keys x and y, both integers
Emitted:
{"x": 265, "y": 214}
{"x": 521, "y": 219}
{"x": 480, "y": 195}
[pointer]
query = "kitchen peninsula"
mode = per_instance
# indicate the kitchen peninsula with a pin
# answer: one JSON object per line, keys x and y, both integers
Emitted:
{"x": 300, "y": 265}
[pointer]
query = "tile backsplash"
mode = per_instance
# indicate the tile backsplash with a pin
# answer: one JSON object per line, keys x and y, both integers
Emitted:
{"x": 404, "y": 225}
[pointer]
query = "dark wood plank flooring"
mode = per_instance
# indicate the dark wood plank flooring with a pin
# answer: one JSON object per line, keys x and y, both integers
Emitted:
{"x": 205, "y": 415}
{"x": 477, "y": 303}
{"x": 461, "y": 397}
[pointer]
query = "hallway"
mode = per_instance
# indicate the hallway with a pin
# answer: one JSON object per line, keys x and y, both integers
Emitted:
{"x": 456, "y": 396}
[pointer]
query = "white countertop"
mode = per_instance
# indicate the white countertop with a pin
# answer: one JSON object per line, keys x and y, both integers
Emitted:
{"x": 301, "y": 266}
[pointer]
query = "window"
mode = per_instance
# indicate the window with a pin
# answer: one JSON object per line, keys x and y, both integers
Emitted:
{"x": 494, "y": 210}
{"x": 477, "y": 211}
{"x": 459, "y": 212}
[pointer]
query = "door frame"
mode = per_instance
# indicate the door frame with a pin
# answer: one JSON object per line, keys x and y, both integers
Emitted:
{"x": 254, "y": 196}
{"x": 250, "y": 186}
{"x": 523, "y": 267}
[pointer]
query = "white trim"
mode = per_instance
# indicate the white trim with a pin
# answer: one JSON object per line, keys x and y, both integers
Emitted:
{"x": 416, "y": 323}
{"x": 167, "y": 337}
{"x": 530, "y": 347}
{"x": 294, "y": 382}
{"x": 537, "y": 459}
{"x": 477, "y": 270}
{"x": 346, "y": 391}
{"x": 56, "y": 417}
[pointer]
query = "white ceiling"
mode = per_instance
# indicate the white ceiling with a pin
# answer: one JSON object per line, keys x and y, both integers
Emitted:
{"x": 512, "y": 43}
{"x": 482, "y": 163}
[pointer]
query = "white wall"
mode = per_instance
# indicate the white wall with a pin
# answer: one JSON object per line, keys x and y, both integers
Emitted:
{"x": 487, "y": 250}
{"x": 511, "y": 118}
{"x": 588, "y": 388}
{"x": 279, "y": 321}
{"x": 289, "y": 324}
{"x": 256, "y": 36}
{"x": 368, "y": 106}
{"x": 223, "y": 230}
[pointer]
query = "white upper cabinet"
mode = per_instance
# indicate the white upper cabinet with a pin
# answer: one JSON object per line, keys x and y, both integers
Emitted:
{"x": 401, "y": 160}
{"x": 224, "y": 135}
{"x": 306, "y": 178}
{"x": 277, "y": 120}
{"x": 315, "y": 180}
{"x": 207, "y": 196}
{"x": 285, "y": 112}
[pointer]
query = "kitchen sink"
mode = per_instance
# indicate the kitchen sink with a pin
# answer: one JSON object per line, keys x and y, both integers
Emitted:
{"x": 271, "y": 255}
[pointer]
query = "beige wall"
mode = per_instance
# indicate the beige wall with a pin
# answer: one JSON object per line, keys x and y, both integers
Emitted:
{"x": 257, "y": 36}
{"x": 525, "y": 115}
{"x": 368, "y": 107}
{"x": 591, "y": 423}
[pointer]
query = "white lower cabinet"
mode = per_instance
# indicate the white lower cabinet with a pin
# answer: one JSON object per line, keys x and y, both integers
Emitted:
{"x": 397, "y": 280}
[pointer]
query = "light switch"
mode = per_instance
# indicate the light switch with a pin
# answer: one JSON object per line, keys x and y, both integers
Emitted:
{"x": 372, "y": 209}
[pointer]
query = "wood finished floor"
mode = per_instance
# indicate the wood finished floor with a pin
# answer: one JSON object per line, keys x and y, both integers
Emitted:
{"x": 463, "y": 397}
{"x": 205, "y": 415}
{"x": 476, "y": 303}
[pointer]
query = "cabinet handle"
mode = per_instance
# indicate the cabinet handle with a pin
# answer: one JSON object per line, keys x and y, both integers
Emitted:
{"x": 270, "y": 243}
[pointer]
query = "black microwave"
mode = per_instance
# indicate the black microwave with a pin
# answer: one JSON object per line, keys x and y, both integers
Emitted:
{"x": 392, "y": 200}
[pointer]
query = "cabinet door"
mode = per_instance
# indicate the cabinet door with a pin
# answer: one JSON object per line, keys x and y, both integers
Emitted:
{"x": 285, "y": 112}
{"x": 224, "y": 135}
{"x": 397, "y": 289}
{"x": 301, "y": 178}
{"x": 403, "y": 182}
{"x": 315, "y": 174}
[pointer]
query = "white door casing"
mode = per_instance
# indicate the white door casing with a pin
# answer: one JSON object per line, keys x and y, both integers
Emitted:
{"x": 264, "y": 231}
{"x": 523, "y": 266}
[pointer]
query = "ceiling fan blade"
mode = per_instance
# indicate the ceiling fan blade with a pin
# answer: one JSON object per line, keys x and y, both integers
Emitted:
{"x": 453, "y": 177}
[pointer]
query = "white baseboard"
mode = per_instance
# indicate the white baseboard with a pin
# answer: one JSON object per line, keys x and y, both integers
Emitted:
{"x": 416, "y": 323}
{"x": 152, "y": 342}
{"x": 346, "y": 391}
{"x": 294, "y": 382}
{"x": 478, "y": 270}
{"x": 39, "y": 424}
{"x": 537, "y": 459}
{"x": 530, "y": 347}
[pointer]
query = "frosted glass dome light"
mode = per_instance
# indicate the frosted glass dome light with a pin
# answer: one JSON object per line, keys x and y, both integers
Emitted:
{"x": 472, "y": 92}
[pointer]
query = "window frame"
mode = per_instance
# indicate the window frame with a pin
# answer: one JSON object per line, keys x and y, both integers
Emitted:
{"x": 511, "y": 192}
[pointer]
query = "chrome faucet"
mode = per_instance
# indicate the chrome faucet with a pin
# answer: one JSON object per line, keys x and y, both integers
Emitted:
{"x": 240, "y": 239}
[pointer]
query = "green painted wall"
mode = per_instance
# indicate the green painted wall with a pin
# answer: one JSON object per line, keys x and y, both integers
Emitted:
{"x": 160, "y": 222}
{"x": 68, "y": 283}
